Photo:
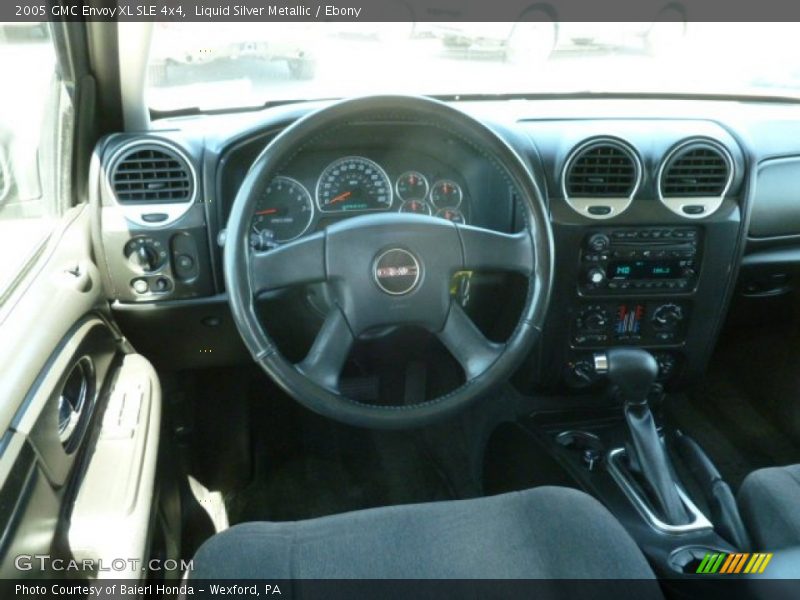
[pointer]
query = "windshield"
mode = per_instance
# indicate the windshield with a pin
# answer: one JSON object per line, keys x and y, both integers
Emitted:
{"x": 221, "y": 65}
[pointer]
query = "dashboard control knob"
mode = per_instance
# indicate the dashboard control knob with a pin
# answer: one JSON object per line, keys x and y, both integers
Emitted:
{"x": 599, "y": 242}
{"x": 595, "y": 276}
{"x": 581, "y": 373}
{"x": 140, "y": 286}
{"x": 667, "y": 316}
{"x": 145, "y": 254}
{"x": 666, "y": 365}
{"x": 593, "y": 319}
{"x": 145, "y": 257}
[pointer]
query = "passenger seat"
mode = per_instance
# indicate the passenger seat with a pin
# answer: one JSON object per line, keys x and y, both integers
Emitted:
{"x": 769, "y": 501}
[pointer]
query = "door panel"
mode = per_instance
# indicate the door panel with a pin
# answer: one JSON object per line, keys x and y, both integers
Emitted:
{"x": 80, "y": 414}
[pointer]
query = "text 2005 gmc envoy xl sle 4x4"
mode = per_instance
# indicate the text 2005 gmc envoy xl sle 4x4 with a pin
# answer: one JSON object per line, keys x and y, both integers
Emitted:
{"x": 382, "y": 306}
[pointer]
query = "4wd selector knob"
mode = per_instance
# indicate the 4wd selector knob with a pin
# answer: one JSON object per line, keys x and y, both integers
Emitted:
{"x": 667, "y": 316}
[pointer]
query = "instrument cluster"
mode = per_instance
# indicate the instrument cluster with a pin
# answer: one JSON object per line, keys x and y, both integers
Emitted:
{"x": 352, "y": 185}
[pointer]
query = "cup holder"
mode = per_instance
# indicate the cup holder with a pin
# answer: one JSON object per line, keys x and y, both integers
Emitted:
{"x": 687, "y": 559}
{"x": 588, "y": 446}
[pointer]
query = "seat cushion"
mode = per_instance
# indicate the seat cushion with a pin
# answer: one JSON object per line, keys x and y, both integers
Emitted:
{"x": 546, "y": 532}
{"x": 769, "y": 500}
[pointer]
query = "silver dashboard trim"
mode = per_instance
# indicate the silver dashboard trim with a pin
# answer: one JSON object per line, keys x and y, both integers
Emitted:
{"x": 582, "y": 205}
{"x": 134, "y": 212}
{"x": 710, "y": 204}
{"x": 699, "y": 521}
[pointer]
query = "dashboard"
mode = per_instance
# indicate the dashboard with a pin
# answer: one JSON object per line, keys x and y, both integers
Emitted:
{"x": 658, "y": 208}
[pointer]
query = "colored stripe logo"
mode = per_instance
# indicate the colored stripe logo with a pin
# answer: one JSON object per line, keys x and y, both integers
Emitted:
{"x": 732, "y": 564}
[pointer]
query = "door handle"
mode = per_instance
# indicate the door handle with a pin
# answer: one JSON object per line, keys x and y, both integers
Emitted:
{"x": 78, "y": 276}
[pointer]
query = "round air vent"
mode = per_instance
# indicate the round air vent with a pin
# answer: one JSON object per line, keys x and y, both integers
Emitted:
{"x": 694, "y": 178}
{"x": 601, "y": 177}
{"x": 152, "y": 180}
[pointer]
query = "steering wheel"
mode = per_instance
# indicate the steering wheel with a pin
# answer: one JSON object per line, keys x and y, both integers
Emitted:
{"x": 389, "y": 269}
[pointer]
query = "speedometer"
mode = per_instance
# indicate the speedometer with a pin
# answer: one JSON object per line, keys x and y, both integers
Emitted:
{"x": 353, "y": 183}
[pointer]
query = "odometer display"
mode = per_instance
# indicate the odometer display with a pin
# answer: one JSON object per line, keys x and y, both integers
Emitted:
{"x": 353, "y": 183}
{"x": 284, "y": 209}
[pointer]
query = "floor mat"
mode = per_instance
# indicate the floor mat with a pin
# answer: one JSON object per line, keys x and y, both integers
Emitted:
{"x": 307, "y": 466}
{"x": 746, "y": 412}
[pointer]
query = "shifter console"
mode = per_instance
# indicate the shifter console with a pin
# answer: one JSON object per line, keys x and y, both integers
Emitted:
{"x": 646, "y": 473}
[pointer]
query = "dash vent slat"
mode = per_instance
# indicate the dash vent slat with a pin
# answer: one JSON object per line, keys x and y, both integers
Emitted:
{"x": 601, "y": 170}
{"x": 154, "y": 174}
{"x": 699, "y": 170}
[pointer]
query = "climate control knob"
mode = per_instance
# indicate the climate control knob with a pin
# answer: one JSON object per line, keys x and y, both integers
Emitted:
{"x": 667, "y": 316}
{"x": 593, "y": 319}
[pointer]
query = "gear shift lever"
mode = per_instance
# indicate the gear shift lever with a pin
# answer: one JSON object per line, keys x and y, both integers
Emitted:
{"x": 633, "y": 372}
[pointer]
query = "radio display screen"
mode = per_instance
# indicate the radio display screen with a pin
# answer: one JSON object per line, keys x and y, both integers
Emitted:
{"x": 643, "y": 269}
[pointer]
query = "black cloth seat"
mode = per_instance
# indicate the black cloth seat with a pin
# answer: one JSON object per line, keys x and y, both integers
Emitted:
{"x": 769, "y": 500}
{"x": 541, "y": 533}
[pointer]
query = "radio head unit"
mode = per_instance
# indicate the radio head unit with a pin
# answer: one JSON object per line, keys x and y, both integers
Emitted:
{"x": 640, "y": 259}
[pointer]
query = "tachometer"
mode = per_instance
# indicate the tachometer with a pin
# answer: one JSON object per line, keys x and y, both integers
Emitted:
{"x": 284, "y": 210}
{"x": 353, "y": 183}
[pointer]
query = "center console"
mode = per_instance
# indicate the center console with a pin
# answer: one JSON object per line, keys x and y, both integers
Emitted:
{"x": 648, "y": 221}
{"x": 618, "y": 262}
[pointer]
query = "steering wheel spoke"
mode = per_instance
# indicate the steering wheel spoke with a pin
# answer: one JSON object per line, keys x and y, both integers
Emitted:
{"x": 299, "y": 262}
{"x": 324, "y": 362}
{"x": 487, "y": 250}
{"x": 473, "y": 350}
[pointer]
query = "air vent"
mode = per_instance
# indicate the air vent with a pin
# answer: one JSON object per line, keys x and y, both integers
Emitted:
{"x": 601, "y": 177}
{"x": 602, "y": 170}
{"x": 699, "y": 170}
{"x": 152, "y": 173}
{"x": 694, "y": 177}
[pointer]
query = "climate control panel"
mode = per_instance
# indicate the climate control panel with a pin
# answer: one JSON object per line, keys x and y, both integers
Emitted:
{"x": 630, "y": 322}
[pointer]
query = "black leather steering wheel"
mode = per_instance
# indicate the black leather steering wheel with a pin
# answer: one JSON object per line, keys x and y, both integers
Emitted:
{"x": 389, "y": 269}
